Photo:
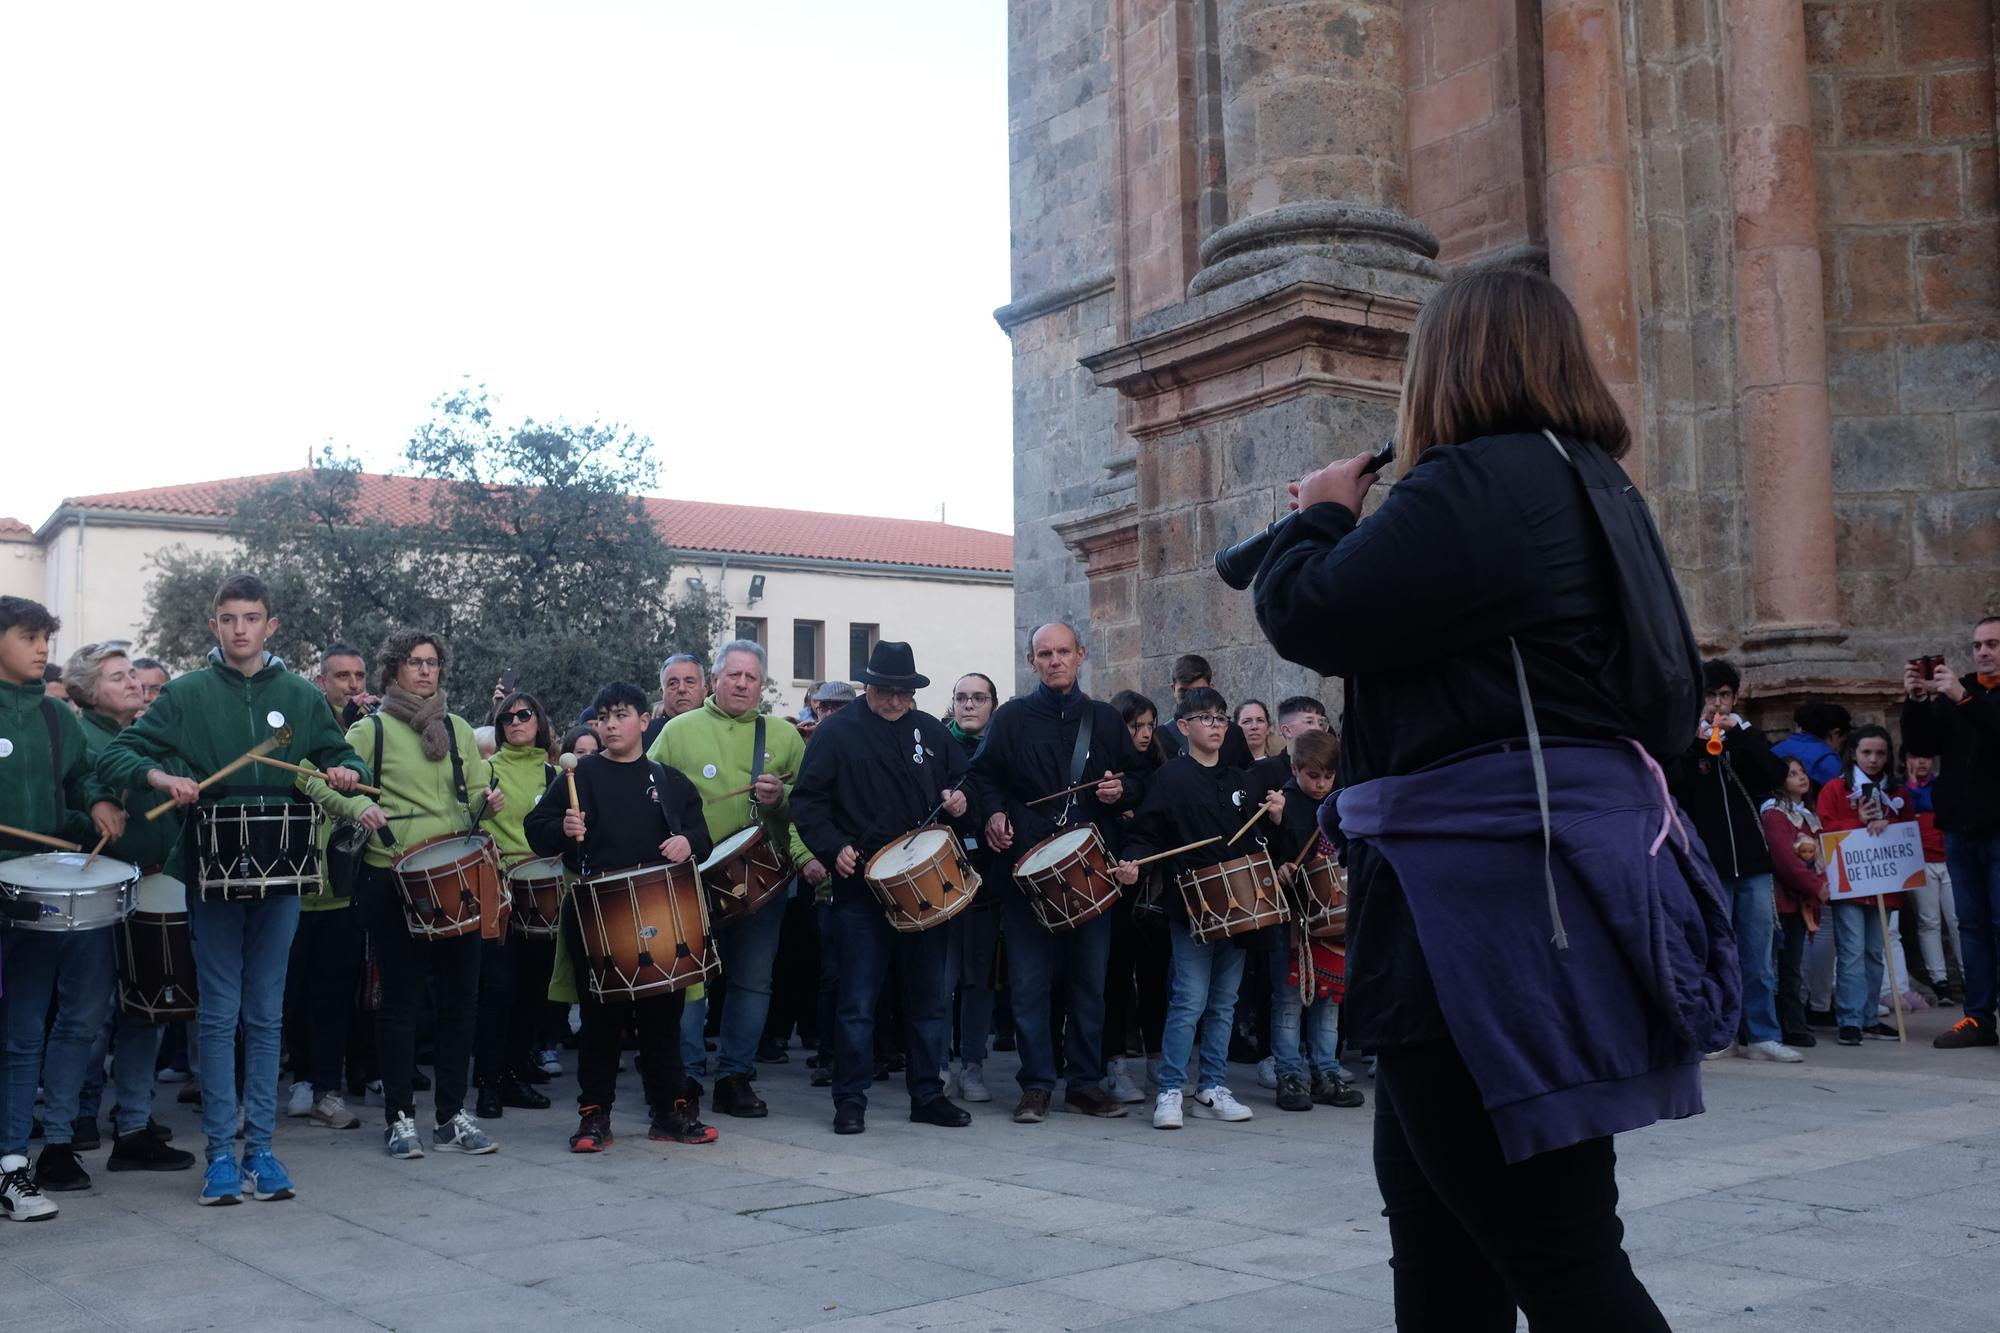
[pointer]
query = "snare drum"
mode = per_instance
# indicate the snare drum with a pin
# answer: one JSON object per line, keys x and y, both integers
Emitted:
{"x": 645, "y": 932}
{"x": 451, "y": 887}
{"x": 743, "y": 873}
{"x": 1319, "y": 898}
{"x": 922, "y": 879}
{"x": 1232, "y": 898}
{"x": 534, "y": 885}
{"x": 263, "y": 849}
{"x": 1067, "y": 878}
{"x": 54, "y": 891}
{"x": 156, "y": 954}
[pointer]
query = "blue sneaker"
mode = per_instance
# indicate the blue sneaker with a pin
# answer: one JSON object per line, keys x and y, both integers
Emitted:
{"x": 222, "y": 1185}
{"x": 462, "y": 1134}
{"x": 266, "y": 1179}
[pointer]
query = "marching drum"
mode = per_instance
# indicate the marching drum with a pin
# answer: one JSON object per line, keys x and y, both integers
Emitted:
{"x": 1232, "y": 898}
{"x": 55, "y": 891}
{"x": 743, "y": 873}
{"x": 265, "y": 849}
{"x": 451, "y": 887}
{"x": 1067, "y": 878}
{"x": 156, "y": 954}
{"x": 1319, "y": 898}
{"x": 534, "y": 884}
{"x": 922, "y": 879}
{"x": 645, "y": 932}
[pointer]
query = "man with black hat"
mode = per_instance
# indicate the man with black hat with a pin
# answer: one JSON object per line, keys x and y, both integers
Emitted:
{"x": 871, "y": 775}
{"x": 1050, "y": 740}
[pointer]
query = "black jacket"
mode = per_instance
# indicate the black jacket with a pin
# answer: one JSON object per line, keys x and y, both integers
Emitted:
{"x": 629, "y": 810}
{"x": 1722, "y": 793}
{"x": 1026, "y": 753}
{"x": 1235, "y": 745}
{"x": 1413, "y": 609}
{"x": 1966, "y": 739}
{"x": 1187, "y": 802}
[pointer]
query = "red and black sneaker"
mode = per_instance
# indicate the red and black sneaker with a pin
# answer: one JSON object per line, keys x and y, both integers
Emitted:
{"x": 681, "y": 1124}
{"x": 593, "y": 1131}
{"x": 1967, "y": 1031}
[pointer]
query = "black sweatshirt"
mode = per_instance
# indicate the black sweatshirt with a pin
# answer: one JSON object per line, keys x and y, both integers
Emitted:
{"x": 866, "y": 782}
{"x": 629, "y": 810}
{"x": 1721, "y": 794}
{"x": 1966, "y": 739}
{"x": 1300, "y": 821}
{"x": 1027, "y": 752}
{"x": 1186, "y": 803}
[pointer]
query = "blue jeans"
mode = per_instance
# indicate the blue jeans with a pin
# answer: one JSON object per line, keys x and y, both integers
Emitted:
{"x": 867, "y": 946}
{"x": 1974, "y": 863}
{"x": 1201, "y": 988}
{"x": 1322, "y": 1026}
{"x": 973, "y": 939}
{"x": 133, "y": 1043}
{"x": 241, "y": 951}
{"x": 1036, "y": 957}
{"x": 748, "y": 946}
{"x": 77, "y": 969}
{"x": 1857, "y": 943}
{"x": 1754, "y": 916}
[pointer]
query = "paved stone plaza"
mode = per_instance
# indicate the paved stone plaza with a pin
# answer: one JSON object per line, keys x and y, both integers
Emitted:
{"x": 1857, "y": 1191}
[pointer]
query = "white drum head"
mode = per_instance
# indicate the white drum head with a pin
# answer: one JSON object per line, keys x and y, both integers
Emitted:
{"x": 64, "y": 870}
{"x": 1063, "y": 845}
{"x": 906, "y": 851}
{"x": 540, "y": 869}
{"x": 729, "y": 847}
{"x": 441, "y": 854}
{"x": 160, "y": 895}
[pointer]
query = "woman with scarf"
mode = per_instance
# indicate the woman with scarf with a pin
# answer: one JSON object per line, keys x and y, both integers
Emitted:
{"x": 513, "y": 969}
{"x": 1791, "y": 830}
{"x": 1865, "y": 795}
{"x": 433, "y": 783}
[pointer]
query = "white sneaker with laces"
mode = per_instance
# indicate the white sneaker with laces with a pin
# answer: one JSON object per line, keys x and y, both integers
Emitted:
{"x": 462, "y": 1134}
{"x": 331, "y": 1111}
{"x": 950, "y": 1078}
{"x": 1267, "y": 1072}
{"x": 1219, "y": 1103}
{"x": 1722, "y": 1054}
{"x": 1167, "y": 1110}
{"x": 21, "y": 1200}
{"x": 1770, "y": 1050}
{"x": 299, "y": 1102}
{"x": 972, "y": 1083}
{"x": 401, "y": 1140}
{"x": 1118, "y": 1082}
{"x": 550, "y": 1062}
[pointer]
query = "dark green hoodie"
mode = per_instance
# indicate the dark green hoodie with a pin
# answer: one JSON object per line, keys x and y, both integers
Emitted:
{"x": 27, "y": 780}
{"x": 209, "y": 718}
{"x": 147, "y": 842}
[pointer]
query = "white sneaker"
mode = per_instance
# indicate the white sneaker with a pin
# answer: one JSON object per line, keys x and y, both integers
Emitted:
{"x": 1770, "y": 1050}
{"x": 550, "y": 1062}
{"x": 1267, "y": 1072}
{"x": 950, "y": 1078}
{"x": 21, "y": 1200}
{"x": 972, "y": 1083}
{"x": 172, "y": 1075}
{"x": 1722, "y": 1054}
{"x": 401, "y": 1140}
{"x": 1119, "y": 1083}
{"x": 1167, "y": 1110}
{"x": 300, "y": 1100}
{"x": 331, "y": 1111}
{"x": 1219, "y": 1103}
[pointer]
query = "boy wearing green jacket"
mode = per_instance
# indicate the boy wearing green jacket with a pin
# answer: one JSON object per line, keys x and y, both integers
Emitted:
{"x": 46, "y": 787}
{"x": 206, "y": 720}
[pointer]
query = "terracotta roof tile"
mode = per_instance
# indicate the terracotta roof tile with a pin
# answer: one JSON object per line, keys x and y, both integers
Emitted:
{"x": 690, "y": 525}
{"x": 14, "y": 530}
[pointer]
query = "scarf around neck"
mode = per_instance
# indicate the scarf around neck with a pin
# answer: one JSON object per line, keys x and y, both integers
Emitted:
{"x": 426, "y": 717}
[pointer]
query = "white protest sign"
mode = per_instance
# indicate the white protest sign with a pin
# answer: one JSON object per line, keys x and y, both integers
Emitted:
{"x": 1860, "y": 864}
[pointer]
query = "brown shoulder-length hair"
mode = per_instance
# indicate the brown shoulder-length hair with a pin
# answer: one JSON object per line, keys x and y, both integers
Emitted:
{"x": 396, "y": 650}
{"x": 1501, "y": 352}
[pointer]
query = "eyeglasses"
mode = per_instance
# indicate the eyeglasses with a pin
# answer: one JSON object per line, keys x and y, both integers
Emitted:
{"x": 518, "y": 715}
{"x": 972, "y": 698}
{"x": 825, "y": 706}
{"x": 1207, "y": 719}
{"x": 423, "y": 663}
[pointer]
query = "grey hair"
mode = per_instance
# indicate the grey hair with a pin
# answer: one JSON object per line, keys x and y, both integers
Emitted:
{"x": 85, "y": 668}
{"x": 750, "y": 646}
{"x": 678, "y": 658}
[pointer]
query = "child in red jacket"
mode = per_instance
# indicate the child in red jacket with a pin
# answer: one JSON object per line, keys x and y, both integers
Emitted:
{"x": 1791, "y": 830}
{"x": 1865, "y": 795}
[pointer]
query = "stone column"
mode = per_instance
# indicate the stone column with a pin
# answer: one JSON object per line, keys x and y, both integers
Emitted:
{"x": 1590, "y": 194}
{"x": 1784, "y": 419}
{"x": 1315, "y": 139}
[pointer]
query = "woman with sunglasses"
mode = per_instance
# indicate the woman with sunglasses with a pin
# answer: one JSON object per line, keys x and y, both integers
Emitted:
{"x": 514, "y": 970}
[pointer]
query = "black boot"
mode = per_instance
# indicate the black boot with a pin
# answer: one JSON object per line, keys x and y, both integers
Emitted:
{"x": 488, "y": 1105}
{"x": 734, "y": 1096}
{"x": 513, "y": 1092}
{"x": 57, "y": 1170}
{"x": 143, "y": 1151}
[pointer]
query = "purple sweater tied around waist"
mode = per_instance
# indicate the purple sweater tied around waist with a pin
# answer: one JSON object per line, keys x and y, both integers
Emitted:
{"x": 1600, "y": 1033}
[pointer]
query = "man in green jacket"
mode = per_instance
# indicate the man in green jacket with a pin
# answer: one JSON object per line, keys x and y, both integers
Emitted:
{"x": 46, "y": 786}
{"x": 206, "y": 720}
{"x": 716, "y": 746}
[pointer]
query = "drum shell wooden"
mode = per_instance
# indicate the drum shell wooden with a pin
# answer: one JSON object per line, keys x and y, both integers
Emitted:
{"x": 1319, "y": 899}
{"x": 455, "y": 897}
{"x": 536, "y": 900}
{"x": 156, "y": 976}
{"x": 1233, "y": 898}
{"x": 645, "y": 932}
{"x": 928, "y": 893}
{"x": 1078, "y": 888}
{"x": 740, "y": 886}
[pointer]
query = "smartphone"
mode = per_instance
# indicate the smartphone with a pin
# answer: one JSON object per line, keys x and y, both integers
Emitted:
{"x": 1380, "y": 458}
{"x": 507, "y": 679}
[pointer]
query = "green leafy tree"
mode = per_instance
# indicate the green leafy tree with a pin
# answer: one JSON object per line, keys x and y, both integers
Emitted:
{"x": 536, "y": 555}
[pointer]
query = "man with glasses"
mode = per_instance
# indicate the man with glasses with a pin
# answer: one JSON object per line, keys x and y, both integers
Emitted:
{"x": 1053, "y": 738}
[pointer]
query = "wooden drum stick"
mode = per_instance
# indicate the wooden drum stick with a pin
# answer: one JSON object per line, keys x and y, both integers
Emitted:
{"x": 263, "y": 747}
{"x": 42, "y": 838}
{"x": 312, "y": 772}
{"x": 1175, "y": 851}
{"x": 569, "y": 776}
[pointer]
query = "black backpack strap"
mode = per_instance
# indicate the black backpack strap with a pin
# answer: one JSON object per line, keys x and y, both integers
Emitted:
{"x": 659, "y": 771}
{"x": 54, "y": 724}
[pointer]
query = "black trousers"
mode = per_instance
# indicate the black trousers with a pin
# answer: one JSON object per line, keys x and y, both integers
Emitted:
{"x": 1473, "y": 1237}
{"x": 513, "y": 1004}
{"x": 1791, "y": 974}
{"x": 795, "y": 973}
{"x": 326, "y": 962}
{"x": 1152, "y": 963}
{"x": 601, "y": 1039}
{"x": 407, "y": 962}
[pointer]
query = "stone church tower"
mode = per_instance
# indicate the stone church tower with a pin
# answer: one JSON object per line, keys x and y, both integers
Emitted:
{"x": 1777, "y": 219}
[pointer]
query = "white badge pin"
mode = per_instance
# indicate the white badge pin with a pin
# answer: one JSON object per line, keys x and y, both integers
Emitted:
{"x": 1236, "y": 799}
{"x": 6, "y": 747}
{"x": 708, "y": 770}
{"x": 275, "y": 718}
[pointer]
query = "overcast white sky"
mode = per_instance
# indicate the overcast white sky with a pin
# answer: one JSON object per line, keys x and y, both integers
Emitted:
{"x": 767, "y": 233}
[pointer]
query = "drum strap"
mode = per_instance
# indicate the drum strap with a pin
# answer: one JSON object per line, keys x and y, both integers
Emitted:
{"x": 756, "y": 764}
{"x": 1079, "y": 755}
{"x": 55, "y": 759}
{"x": 457, "y": 768}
